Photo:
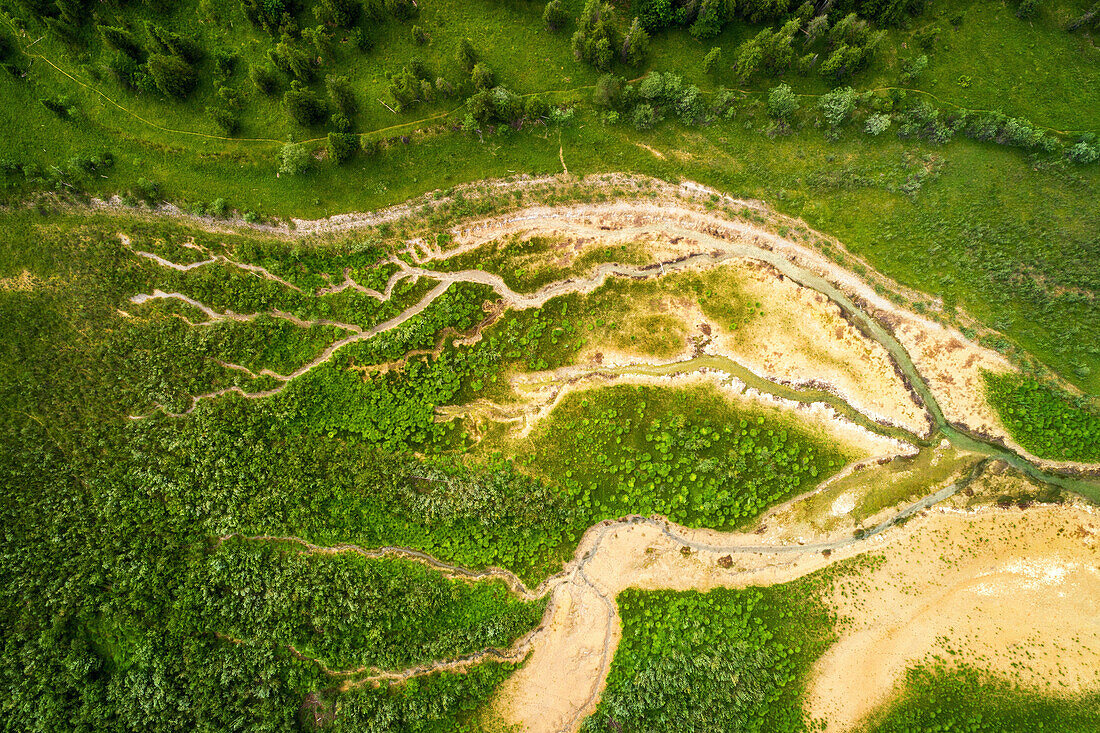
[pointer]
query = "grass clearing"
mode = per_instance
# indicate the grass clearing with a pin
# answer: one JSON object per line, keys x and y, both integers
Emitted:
{"x": 687, "y": 454}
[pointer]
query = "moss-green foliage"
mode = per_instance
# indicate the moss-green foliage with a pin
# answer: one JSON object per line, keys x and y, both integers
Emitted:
{"x": 723, "y": 660}
{"x": 350, "y": 611}
{"x": 964, "y": 700}
{"x": 685, "y": 454}
{"x": 115, "y": 595}
{"x": 1049, "y": 422}
{"x": 440, "y": 703}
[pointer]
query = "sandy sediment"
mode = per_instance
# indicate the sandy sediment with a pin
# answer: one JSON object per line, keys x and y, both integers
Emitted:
{"x": 1037, "y": 577}
{"x": 1016, "y": 593}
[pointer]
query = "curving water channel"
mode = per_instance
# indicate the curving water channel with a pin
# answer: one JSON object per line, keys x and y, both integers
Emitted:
{"x": 1088, "y": 487}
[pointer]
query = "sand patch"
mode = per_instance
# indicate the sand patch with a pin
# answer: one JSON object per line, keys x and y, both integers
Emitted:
{"x": 1029, "y": 596}
{"x": 25, "y": 282}
{"x": 798, "y": 336}
{"x": 1016, "y": 593}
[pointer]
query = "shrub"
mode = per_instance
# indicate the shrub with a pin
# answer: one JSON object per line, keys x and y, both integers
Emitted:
{"x": 263, "y": 78}
{"x": 62, "y": 106}
{"x": 370, "y": 147}
{"x": 712, "y": 59}
{"x": 608, "y": 90}
{"x": 122, "y": 40}
{"x": 340, "y": 122}
{"x": 303, "y": 105}
{"x": 1083, "y": 153}
{"x": 444, "y": 88}
{"x": 690, "y": 106}
{"x": 837, "y": 105}
{"x": 219, "y": 208}
{"x": 341, "y": 94}
{"x": 655, "y": 14}
{"x": 232, "y": 98}
{"x": 339, "y": 13}
{"x": 360, "y": 40}
{"x": 294, "y": 159}
{"x": 877, "y": 124}
{"x": 148, "y": 191}
{"x": 912, "y": 68}
{"x": 410, "y": 86}
{"x": 225, "y": 119}
{"x": 708, "y": 23}
{"x": 482, "y": 76}
{"x": 225, "y": 62}
{"x": 465, "y": 56}
{"x": 419, "y": 35}
{"x": 562, "y": 115}
{"x": 1026, "y": 9}
{"x": 644, "y": 116}
{"x": 555, "y": 16}
{"x": 267, "y": 13}
{"x": 173, "y": 76}
{"x": 173, "y": 44}
{"x": 342, "y": 146}
{"x": 292, "y": 60}
{"x": 782, "y": 102}
{"x": 495, "y": 105}
{"x": 635, "y": 45}
{"x": 596, "y": 36}
{"x": 401, "y": 9}
{"x": 535, "y": 108}
{"x": 748, "y": 58}
{"x": 1089, "y": 19}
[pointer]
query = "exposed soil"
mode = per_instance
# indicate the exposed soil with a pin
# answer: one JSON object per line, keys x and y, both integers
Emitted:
{"x": 1016, "y": 593}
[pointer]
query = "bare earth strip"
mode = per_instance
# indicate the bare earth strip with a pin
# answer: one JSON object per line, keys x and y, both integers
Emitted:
{"x": 1014, "y": 593}
{"x": 1045, "y": 557}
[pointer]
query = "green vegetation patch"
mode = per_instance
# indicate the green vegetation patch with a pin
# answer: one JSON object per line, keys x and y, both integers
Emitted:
{"x": 724, "y": 660}
{"x": 964, "y": 700}
{"x": 350, "y": 611}
{"x": 1049, "y": 422}
{"x": 686, "y": 453}
{"x": 528, "y": 263}
{"x": 440, "y": 703}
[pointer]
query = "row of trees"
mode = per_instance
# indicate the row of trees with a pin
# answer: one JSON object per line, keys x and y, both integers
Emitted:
{"x": 846, "y": 47}
{"x": 706, "y": 18}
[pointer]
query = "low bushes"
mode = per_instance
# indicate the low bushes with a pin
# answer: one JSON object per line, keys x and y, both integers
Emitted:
{"x": 1045, "y": 420}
